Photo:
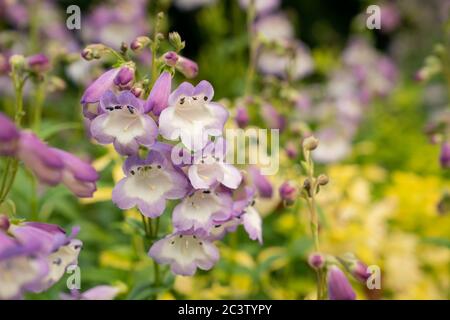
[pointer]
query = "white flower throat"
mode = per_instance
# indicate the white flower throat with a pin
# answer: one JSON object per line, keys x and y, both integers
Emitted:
{"x": 192, "y": 108}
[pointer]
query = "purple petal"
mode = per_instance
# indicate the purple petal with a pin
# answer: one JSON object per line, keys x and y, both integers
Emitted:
{"x": 158, "y": 99}
{"x": 94, "y": 92}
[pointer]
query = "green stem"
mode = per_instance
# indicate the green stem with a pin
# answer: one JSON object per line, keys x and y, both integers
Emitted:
{"x": 39, "y": 97}
{"x": 253, "y": 45}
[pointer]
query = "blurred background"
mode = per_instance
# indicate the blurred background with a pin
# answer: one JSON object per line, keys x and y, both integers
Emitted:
{"x": 377, "y": 99}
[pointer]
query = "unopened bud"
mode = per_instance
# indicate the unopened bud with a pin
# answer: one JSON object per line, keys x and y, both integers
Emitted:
{"x": 4, "y": 222}
{"x": 175, "y": 40}
{"x": 125, "y": 77}
{"x": 242, "y": 117}
{"x": 139, "y": 43}
{"x": 187, "y": 67}
{"x": 356, "y": 267}
{"x": 17, "y": 61}
{"x": 323, "y": 180}
{"x": 137, "y": 91}
{"x": 171, "y": 58}
{"x": 288, "y": 192}
{"x": 291, "y": 150}
{"x": 316, "y": 260}
{"x": 310, "y": 143}
{"x": 444, "y": 157}
{"x": 94, "y": 51}
{"x": 38, "y": 62}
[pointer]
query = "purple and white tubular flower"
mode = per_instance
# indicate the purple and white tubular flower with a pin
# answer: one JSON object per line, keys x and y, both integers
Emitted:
{"x": 185, "y": 252}
{"x": 42, "y": 160}
{"x": 34, "y": 256}
{"x": 9, "y": 136}
{"x": 192, "y": 116}
{"x": 122, "y": 121}
{"x": 148, "y": 184}
{"x": 200, "y": 209}
{"x": 78, "y": 176}
{"x": 210, "y": 168}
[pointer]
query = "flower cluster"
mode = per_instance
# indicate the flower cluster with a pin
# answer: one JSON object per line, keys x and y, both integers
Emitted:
{"x": 212, "y": 198}
{"x": 50, "y": 165}
{"x": 34, "y": 256}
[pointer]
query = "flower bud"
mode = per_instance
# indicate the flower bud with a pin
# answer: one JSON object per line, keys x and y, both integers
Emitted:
{"x": 316, "y": 260}
{"x": 139, "y": 43}
{"x": 94, "y": 51}
{"x": 171, "y": 58}
{"x": 444, "y": 158}
{"x": 175, "y": 40}
{"x": 242, "y": 117}
{"x": 291, "y": 150}
{"x": 4, "y": 222}
{"x": 356, "y": 267}
{"x": 124, "y": 77}
{"x": 158, "y": 98}
{"x": 38, "y": 63}
{"x": 310, "y": 143}
{"x": 339, "y": 288}
{"x": 187, "y": 67}
{"x": 288, "y": 192}
{"x": 137, "y": 91}
{"x": 17, "y": 61}
{"x": 322, "y": 180}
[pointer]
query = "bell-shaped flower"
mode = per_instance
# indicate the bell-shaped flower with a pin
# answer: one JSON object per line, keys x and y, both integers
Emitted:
{"x": 20, "y": 268}
{"x": 210, "y": 168}
{"x": 123, "y": 122}
{"x": 192, "y": 116}
{"x": 200, "y": 209}
{"x": 148, "y": 184}
{"x": 51, "y": 242}
{"x": 42, "y": 160}
{"x": 9, "y": 136}
{"x": 79, "y": 176}
{"x": 185, "y": 252}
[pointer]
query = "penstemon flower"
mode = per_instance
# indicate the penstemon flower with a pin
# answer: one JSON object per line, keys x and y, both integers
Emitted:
{"x": 9, "y": 136}
{"x": 122, "y": 121}
{"x": 200, "y": 209}
{"x": 339, "y": 288}
{"x": 148, "y": 184}
{"x": 210, "y": 168}
{"x": 185, "y": 252}
{"x": 192, "y": 116}
{"x": 158, "y": 98}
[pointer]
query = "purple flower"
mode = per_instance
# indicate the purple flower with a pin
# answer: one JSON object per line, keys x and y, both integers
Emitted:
{"x": 158, "y": 99}
{"x": 44, "y": 162}
{"x": 272, "y": 117}
{"x": 299, "y": 65}
{"x": 243, "y": 213}
{"x": 292, "y": 149}
{"x": 124, "y": 78}
{"x": 242, "y": 117}
{"x": 38, "y": 62}
{"x": 98, "y": 88}
{"x": 50, "y": 242}
{"x": 261, "y": 182}
{"x": 187, "y": 67}
{"x": 148, "y": 184}
{"x": 20, "y": 268}
{"x": 288, "y": 192}
{"x": 209, "y": 168}
{"x": 200, "y": 209}
{"x": 192, "y": 116}
{"x": 122, "y": 121}
{"x": 171, "y": 58}
{"x": 9, "y": 136}
{"x": 79, "y": 176}
{"x": 185, "y": 252}
{"x": 445, "y": 155}
{"x": 339, "y": 288}
{"x": 102, "y": 292}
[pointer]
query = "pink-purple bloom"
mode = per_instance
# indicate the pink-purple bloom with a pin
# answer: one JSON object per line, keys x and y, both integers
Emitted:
{"x": 9, "y": 136}
{"x": 158, "y": 98}
{"x": 148, "y": 184}
{"x": 339, "y": 288}
{"x": 122, "y": 121}
{"x": 445, "y": 155}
